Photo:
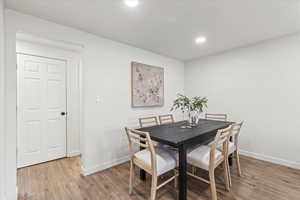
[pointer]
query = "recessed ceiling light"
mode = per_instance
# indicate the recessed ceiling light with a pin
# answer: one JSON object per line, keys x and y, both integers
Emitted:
{"x": 200, "y": 40}
{"x": 131, "y": 3}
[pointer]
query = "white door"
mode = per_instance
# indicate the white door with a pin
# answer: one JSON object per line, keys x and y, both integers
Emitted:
{"x": 41, "y": 108}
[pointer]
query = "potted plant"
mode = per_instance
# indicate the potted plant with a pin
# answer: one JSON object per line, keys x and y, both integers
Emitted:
{"x": 194, "y": 106}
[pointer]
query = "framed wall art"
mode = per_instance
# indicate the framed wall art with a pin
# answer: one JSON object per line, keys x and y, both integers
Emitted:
{"x": 147, "y": 85}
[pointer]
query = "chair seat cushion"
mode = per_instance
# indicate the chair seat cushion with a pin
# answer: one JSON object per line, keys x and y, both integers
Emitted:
{"x": 200, "y": 157}
{"x": 231, "y": 148}
{"x": 166, "y": 159}
{"x": 161, "y": 145}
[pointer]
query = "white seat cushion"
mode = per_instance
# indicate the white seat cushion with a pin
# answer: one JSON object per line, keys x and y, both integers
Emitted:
{"x": 166, "y": 159}
{"x": 231, "y": 147}
{"x": 163, "y": 146}
{"x": 200, "y": 156}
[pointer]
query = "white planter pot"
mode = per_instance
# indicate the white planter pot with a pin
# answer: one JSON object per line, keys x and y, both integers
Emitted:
{"x": 194, "y": 118}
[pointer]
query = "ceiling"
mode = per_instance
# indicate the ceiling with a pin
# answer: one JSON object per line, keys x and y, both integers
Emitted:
{"x": 169, "y": 27}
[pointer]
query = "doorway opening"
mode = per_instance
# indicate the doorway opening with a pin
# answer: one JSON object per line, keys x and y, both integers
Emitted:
{"x": 48, "y": 111}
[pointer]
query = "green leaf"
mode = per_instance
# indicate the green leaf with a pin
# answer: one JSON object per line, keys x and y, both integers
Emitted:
{"x": 189, "y": 104}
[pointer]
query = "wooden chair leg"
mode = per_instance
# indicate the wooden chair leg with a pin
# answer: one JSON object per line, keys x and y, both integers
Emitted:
{"x": 213, "y": 184}
{"x": 226, "y": 176}
{"x": 175, "y": 180}
{"x": 153, "y": 187}
{"x": 131, "y": 178}
{"x": 238, "y": 163}
{"x": 229, "y": 174}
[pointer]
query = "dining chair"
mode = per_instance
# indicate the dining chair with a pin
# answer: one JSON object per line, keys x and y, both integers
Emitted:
{"x": 219, "y": 117}
{"x": 209, "y": 158}
{"x": 166, "y": 119}
{"x": 213, "y": 116}
{"x": 148, "y": 121}
{"x": 154, "y": 160}
{"x": 233, "y": 147}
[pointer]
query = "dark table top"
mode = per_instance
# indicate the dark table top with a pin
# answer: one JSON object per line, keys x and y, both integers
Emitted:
{"x": 174, "y": 135}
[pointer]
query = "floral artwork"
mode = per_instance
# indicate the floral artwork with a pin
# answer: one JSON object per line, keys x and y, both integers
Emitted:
{"x": 147, "y": 85}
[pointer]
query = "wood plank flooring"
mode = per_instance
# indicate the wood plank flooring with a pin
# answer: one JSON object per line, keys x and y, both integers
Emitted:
{"x": 61, "y": 180}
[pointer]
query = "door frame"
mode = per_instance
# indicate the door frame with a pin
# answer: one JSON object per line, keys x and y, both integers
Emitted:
{"x": 36, "y": 47}
{"x": 20, "y": 98}
{"x": 13, "y": 30}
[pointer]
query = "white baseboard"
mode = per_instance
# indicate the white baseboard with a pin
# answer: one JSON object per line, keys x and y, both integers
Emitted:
{"x": 101, "y": 167}
{"x": 279, "y": 161}
{"x": 74, "y": 153}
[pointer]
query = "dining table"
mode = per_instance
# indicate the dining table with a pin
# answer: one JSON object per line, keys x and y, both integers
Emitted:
{"x": 183, "y": 138}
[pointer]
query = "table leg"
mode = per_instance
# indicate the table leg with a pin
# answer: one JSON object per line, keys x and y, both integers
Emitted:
{"x": 142, "y": 172}
{"x": 182, "y": 173}
{"x": 142, "y": 175}
{"x": 230, "y": 159}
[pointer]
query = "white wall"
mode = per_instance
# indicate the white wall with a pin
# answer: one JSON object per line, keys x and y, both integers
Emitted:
{"x": 258, "y": 84}
{"x": 106, "y": 72}
{"x": 2, "y": 148}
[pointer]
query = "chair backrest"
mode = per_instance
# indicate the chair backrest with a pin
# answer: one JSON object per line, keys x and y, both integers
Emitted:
{"x": 148, "y": 121}
{"x": 219, "y": 117}
{"x": 236, "y": 128}
{"x": 221, "y": 139}
{"x": 166, "y": 119}
{"x": 141, "y": 139}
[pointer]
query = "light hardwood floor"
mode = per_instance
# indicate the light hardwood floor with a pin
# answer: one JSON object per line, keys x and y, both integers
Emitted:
{"x": 61, "y": 180}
